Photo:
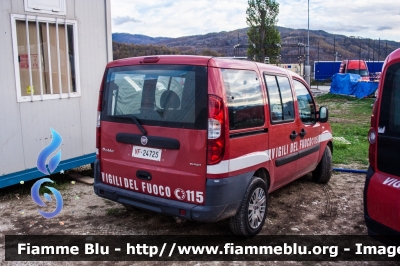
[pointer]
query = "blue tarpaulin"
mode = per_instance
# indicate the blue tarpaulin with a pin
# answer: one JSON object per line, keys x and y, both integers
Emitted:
{"x": 349, "y": 84}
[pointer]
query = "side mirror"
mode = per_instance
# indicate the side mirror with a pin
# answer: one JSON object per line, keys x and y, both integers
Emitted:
{"x": 323, "y": 114}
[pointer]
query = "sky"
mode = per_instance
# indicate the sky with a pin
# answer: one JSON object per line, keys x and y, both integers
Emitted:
{"x": 177, "y": 18}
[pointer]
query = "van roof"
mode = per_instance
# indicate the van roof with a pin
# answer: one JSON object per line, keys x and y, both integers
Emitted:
{"x": 393, "y": 56}
{"x": 219, "y": 62}
{"x": 163, "y": 59}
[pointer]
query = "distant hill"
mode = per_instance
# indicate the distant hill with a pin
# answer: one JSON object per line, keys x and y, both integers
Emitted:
{"x": 136, "y": 38}
{"x": 323, "y": 45}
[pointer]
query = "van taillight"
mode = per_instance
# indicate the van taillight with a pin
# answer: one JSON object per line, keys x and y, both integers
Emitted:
{"x": 372, "y": 137}
{"x": 98, "y": 129}
{"x": 216, "y": 132}
{"x": 372, "y": 147}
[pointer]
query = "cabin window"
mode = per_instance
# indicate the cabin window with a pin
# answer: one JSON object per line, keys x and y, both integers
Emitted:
{"x": 45, "y": 58}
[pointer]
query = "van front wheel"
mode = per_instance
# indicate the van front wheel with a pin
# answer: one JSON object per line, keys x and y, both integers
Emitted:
{"x": 251, "y": 215}
{"x": 323, "y": 172}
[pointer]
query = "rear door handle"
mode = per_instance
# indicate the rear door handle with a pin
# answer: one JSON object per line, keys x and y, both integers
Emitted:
{"x": 143, "y": 175}
{"x": 293, "y": 136}
{"x": 302, "y": 133}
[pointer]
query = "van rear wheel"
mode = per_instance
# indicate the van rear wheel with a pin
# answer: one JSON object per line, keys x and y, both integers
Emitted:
{"x": 323, "y": 172}
{"x": 251, "y": 215}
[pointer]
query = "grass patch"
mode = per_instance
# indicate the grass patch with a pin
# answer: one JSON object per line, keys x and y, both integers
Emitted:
{"x": 112, "y": 211}
{"x": 349, "y": 118}
{"x": 60, "y": 182}
{"x": 108, "y": 202}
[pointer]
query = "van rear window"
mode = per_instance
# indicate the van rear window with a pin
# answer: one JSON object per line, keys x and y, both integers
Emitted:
{"x": 159, "y": 95}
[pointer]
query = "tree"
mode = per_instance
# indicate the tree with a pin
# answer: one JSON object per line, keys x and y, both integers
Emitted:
{"x": 264, "y": 38}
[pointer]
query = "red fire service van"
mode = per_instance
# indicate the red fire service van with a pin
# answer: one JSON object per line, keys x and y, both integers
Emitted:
{"x": 204, "y": 138}
{"x": 382, "y": 185}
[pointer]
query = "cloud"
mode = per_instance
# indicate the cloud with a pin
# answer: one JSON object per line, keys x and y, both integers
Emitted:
{"x": 343, "y": 28}
{"x": 179, "y": 17}
{"x": 176, "y": 18}
{"x": 121, "y": 20}
{"x": 384, "y": 28}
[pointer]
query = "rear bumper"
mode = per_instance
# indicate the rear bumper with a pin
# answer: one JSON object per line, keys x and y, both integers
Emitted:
{"x": 375, "y": 229}
{"x": 381, "y": 232}
{"x": 223, "y": 198}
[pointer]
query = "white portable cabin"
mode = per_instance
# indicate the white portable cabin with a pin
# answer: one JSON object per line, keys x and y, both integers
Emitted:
{"x": 53, "y": 54}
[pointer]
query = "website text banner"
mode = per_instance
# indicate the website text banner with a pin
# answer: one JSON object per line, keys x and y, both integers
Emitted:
{"x": 199, "y": 248}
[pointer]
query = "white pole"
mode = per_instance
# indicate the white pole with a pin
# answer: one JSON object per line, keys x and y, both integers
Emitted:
{"x": 67, "y": 58}
{"x": 307, "y": 68}
{"x": 59, "y": 60}
{"x": 29, "y": 57}
{"x": 39, "y": 58}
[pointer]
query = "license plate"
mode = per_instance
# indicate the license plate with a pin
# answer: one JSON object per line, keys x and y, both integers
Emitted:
{"x": 146, "y": 153}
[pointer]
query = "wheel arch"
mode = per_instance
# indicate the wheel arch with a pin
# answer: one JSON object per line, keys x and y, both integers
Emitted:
{"x": 264, "y": 175}
{"x": 330, "y": 145}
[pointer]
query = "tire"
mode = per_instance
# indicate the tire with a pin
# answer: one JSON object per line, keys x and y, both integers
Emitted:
{"x": 245, "y": 224}
{"x": 323, "y": 172}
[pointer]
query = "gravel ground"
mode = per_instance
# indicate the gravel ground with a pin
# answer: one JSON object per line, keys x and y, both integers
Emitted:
{"x": 300, "y": 208}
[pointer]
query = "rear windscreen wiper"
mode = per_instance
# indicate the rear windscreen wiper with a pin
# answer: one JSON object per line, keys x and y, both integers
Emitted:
{"x": 134, "y": 119}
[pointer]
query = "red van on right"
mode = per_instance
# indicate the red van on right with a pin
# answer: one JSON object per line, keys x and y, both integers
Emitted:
{"x": 382, "y": 185}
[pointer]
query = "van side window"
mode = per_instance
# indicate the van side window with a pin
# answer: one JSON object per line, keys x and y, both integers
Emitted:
{"x": 245, "y": 99}
{"x": 280, "y": 98}
{"x": 389, "y": 123}
{"x": 305, "y": 103}
{"x": 389, "y": 119}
